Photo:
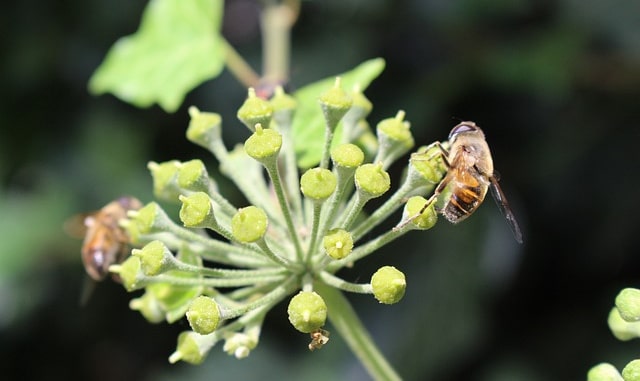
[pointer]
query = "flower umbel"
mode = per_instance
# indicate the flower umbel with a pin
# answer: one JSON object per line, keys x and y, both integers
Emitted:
{"x": 224, "y": 268}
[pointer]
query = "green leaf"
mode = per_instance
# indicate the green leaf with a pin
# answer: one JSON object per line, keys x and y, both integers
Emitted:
{"x": 177, "y": 47}
{"x": 308, "y": 123}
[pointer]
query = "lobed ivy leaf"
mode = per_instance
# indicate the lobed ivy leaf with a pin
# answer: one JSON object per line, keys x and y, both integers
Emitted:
{"x": 308, "y": 124}
{"x": 177, "y": 47}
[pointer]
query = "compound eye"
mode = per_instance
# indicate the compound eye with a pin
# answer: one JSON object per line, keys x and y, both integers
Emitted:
{"x": 462, "y": 127}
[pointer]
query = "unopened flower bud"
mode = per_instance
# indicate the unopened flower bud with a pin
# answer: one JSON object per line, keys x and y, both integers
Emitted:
{"x": 347, "y": 155}
{"x": 388, "y": 284}
{"x": 307, "y": 311}
{"x": 335, "y": 103}
{"x": 427, "y": 161}
{"x": 240, "y": 345}
{"x": 421, "y": 219}
{"x": 318, "y": 183}
{"x": 394, "y": 138}
{"x": 372, "y": 180}
{"x": 631, "y": 371}
{"x": 255, "y": 110}
{"x": 263, "y": 144}
{"x": 197, "y": 211}
{"x": 284, "y": 105}
{"x": 604, "y": 372}
{"x": 129, "y": 272}
{"x": 622, "y": 329}
{"x": 193, "y": 176}
{"x": 338, "y": 243}
{"x": 203, "y": 315}
{"x": 150, "y": 219}
{"x": 164, "y": 175}
{"x": 204, "y": 127}
{"x": 155, "y": 258}
{"x": 628, "y": 304}
{"x": 249, "y": 224}
{"x": 189, "y": 349}
{"x": 148, "y": 307}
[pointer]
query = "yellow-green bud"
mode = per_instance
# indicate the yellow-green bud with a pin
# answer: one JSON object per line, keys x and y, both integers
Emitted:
{"x": 428, "y": 162}
{"x": 372, "y": 180}
{"x": 347, "y": 155}
{"x": 149, "y": 307}
{"x": 204, "y": 127}
{"x": 188, "y": 349}
{"x": 338, "y": 243}
{"x": 284, "y": 106}
{"x": 628, "y": 304}
{"x": 255, "y": 110}
{"x": 149, "y": 219}
{"x": 426, "y": 219}
{"x": 307, "y": 311}
{"x": 155, "y": 258}
{"x": 361, "y": 105}
{"x": 164, "y": 176}
{"x": 129, "y": 272}
{"x": 604, "y": 372}
{"x": 240, "y": 344}
{"x": 631, "y": 371}
{"x": 396, "y": 129}
{"x": 203, "y": 315}
{"x": 263, "y": 144}
{"x": 388, "y": 285}
{"x": 193, "y": 176}
{"x": 197, "y": 211}
{"x": 249, "y": 224}
{"x": 318, "y": 183}
{"x": 335, "y": 102}
{"x": 622, "y": 329}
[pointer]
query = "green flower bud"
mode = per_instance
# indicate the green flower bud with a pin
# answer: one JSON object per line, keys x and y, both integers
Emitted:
{"x": 197, "y": 211}
{"x": 150, "y": 219}
{"x": 193, "y": 176}
{"x": 204, "y": 127}
{"x": 622, "y": 329}
{"x": 129, "y": 272}
{"x": 361, "y": 106}
{"x": 604, "y": 372}
{"x": 189, "y": 349}
{"x": 155, "y": 258}
{"x": 284, "y": 106}
{"x": 318, "y": 183}
{"x": 335, "y": 103}
{"x": 164, "y": 175}
{"x": 427, "y": 161}
{"x": 628, "y": 304}
{"x": 174, "y": 299}
{"x": 148, "y": 307}
{"x": 203, "y": 315}
{"x": 255, "y": 110}
{"x": 249, "y": 224}
{"x": 631, "y": 371}
{"x": 422, "y": 221}
{"x": 372, "y": 180}
{"x": 347, "y": 155}
{"x": 388, "y": 284}
{"x": 394, "y": 138}
{"x": 338, "y": 243}
{"x": 263, "y": 144}
{"x": 307, "y": 311}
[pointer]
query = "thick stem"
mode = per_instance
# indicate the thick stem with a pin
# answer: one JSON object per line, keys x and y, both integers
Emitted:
{"x": 345, "y": 320}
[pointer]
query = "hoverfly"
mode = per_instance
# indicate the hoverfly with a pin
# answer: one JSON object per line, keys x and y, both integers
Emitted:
{"x": 470, "y": 173}
{"x": 105, "y": 241}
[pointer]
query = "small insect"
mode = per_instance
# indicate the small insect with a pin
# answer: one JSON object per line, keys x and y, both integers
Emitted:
{"x": 105, "y": 241}
{"x": 470, "y": 173}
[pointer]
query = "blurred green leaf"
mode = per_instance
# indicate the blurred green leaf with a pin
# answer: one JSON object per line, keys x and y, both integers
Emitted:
{"x": 177, "y": 47}
{"x": 308, "y": 124}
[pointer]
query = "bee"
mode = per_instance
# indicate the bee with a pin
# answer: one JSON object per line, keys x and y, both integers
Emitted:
{"x": 105, "y": 241}
{"x": 470, "y": 174}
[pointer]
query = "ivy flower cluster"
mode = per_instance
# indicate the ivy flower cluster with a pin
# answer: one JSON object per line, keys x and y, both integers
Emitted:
{"x": 224, "y": 266}
{"x": 624, "y": 322}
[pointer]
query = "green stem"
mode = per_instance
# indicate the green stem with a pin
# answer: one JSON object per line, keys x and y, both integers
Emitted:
{"x": 334, "y": 281}
{"x": 345, "y": 320}
{"x": 326, "y": 151}
{"x": 317, "y": 209}
{"x": 238, "y": 67}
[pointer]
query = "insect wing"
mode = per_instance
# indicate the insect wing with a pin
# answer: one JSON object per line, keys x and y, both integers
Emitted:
{"x": 503, "y": 205}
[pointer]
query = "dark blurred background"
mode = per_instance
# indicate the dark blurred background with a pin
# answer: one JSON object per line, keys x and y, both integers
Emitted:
{"x": 554, "y": 84}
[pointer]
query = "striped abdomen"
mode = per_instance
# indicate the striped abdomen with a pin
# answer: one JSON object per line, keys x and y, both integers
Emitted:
{"x": 467, "y": 193}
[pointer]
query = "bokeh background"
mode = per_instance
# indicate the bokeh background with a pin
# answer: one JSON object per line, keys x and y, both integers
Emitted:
{"x": 555, "y": 84}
